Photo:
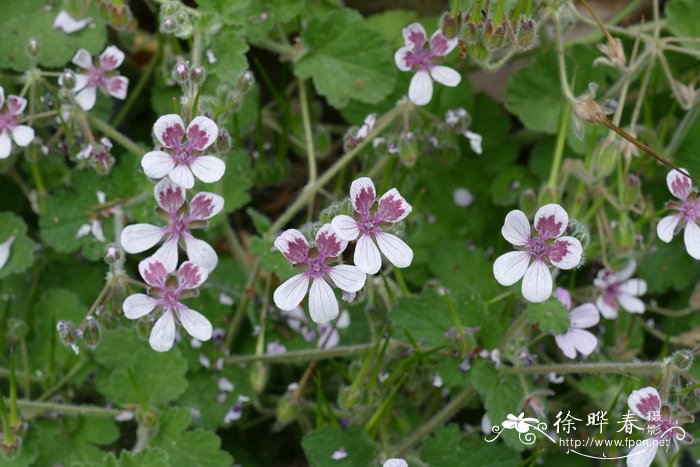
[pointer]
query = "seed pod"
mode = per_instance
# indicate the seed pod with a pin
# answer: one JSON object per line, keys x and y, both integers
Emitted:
{"x": 287, "y": 411}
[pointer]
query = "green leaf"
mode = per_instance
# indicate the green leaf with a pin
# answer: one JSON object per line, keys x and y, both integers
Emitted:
{"x": 149, "y": 457}
{"x": 448, "y": 447}
{"x": 459, "y": 266}
{"x": 669, "y": 267}
{"x": 346, "y": 60}
{"x": 23, "y": 20}
{"x": 552, "y": 316}
{"x": 237, "y": 180}
{"x": 390, "y": 24}
{"x": 21, "y": 250}
{"x": 683, "y": 20}
{"x": 534, "y": 93}
{"x": 509, "y": 184}
{"x": 230, "y": 49}
{"x": 320, "y": 444}
{"x": 195, "y": 448}
{"x": 72, "y": 439}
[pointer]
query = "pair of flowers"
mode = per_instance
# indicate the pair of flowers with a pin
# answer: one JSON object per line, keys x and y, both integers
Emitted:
{"x": 366, "y": 227}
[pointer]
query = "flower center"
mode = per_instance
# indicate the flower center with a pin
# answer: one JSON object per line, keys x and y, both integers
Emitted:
{"x": 7, "y": 121}
{"x": 689, "y": 209}
{"x": 537, "y": 246}
{"x": 420, "y": 58}
{"x": 316, "y": 267}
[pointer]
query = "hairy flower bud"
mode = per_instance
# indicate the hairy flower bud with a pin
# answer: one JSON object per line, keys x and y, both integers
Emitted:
{"x": 107, "y": 318}
{"x": 33, "y": 48}
{"x": 450, "y": 25}
{"x": 223, "y": 143}
{"x": 69, "y": 335}
{"x": 287, "y": 411}
{"x": 180, "y": 72}
{"x": 91, "y": 333}
{"x": 683, "y": 359}
{"x": 632, "y": 190}
{"x": 525, "y": 33}
{"x": 246, "y": 82}
{"x": 67, "y": 79}
{"x": 197, "y": 75}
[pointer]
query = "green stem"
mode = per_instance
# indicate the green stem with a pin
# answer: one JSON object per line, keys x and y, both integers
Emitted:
{"x": 113, "y": 134}
{"x": 41, "y": 406}
{"x": 235, "y": 324}
{"x": 512, "y": 331}
{"x": 301, "y": 355}
{"x": 66, "y": 378}
{"x": 236, "y": 247}
{"x": 140, "y": 85}
{"x": 682, "y": 129}
{"x": 309, "y": 137}
{"x": 559, "y": 150}
{"x": 647, "y": 368}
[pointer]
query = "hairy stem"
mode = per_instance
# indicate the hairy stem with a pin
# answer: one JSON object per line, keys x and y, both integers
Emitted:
{"x": 646, "y": 368}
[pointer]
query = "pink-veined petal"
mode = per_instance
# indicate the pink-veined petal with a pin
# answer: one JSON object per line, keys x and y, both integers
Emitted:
{"x": 5, "y": 250}
{"x": 140, "y": 237}
{"x": 636, "y": 287}
{"x": 163, "y": 332}
{"x": 168, "y": 253}
{"x": 205, "y": 205}
{"x": 293, "y": 245}
{"x": 667, "y": 227}
{"x": 208, "y": 169}
{"x": 564, "y": 297}
{"x": 643, "y": 401}
{"x": 400, "y": 58}
{"x": 328, "y": 338}
{"x": 566, "y": 252}
{"x": 291, "y": 292}
{"x": 630, "y": 303}
{"x": 86, "y": 97}
{"x": 346, "y": 227}
{"x": 138, "y": 305}
{"x": 169, "y": 195}
{"x": 169, "y": 130}
{"x": 623, "y": 274}
{"x": 5, "y": 144}
{"x": 445, "y": 75}
{"x": 537, "y": 282}
{"x": 691, "y": 238}
{"x": 395, "y": 462}
{"x": 117, "y": 87}
{"x": 414, "y": 35}
{"x": 328, "y": 243}
{"x": 68, "y": 24}
{"x": 643, "y": 454}
{"x": 157, "y": 164}
{"x": 195, "y": 323}
{"x": 82, "y": 58}
{"x": 81, "y": 80}
{"x": 609, "y": 311}
{"x": 551, "y": 221}
{"x": 441, "y": 45}
{"x": 191, "y": 275}
{"x": 111, "y": 58}
{"x": 566, "y": 345}
{"x": 584, "y": 316}
{"x": 679, "y": 185}
{"x": 154, "y": 272}
{"x": 363, "y": 195}
{"x": 202, "y": 132}
{"x": 367, "y": 258}
{"x": 182, "y": 175}
{"x": 393, "y": 207}
{"x": 323, "y": 306}
{"x": 201, "y": 253}
{"x": 516, "y": 228}
{"x": 23, "y": 135}
{"x": 584, "y": 341}
{"x": 395, "y": 249}
{"x": 348, "y": 278}
{"x": 420, "y": 91}
{"x": 509, "y": 268}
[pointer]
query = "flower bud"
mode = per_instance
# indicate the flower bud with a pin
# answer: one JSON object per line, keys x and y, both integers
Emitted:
{"x": 69, "y": 335}
{"x": 168, "y": 25}
{"x": 605, "y": 158}
{"x": 111, "y": 254}
{"x": 479, "y": 51}
{"x": 107, "y": 318}
{"x": 682, "y": 359}
{"x": 691, "y": 401}
{"x": 67, "y": 79}
{"x": 450, "y": 25}
{"x": 180, "y": 72}
{"x": 408, "y": 149}
{"x": 471, "y": 32}
{"x": 33, "y": 48}
{"x": 632, "y": 190}
{"x": 246, "y": 82}
{"x": 143, "y": 327}
{"x": 580, "y": 231}
{"x": 34, "y": 152}
{"x": 494, "y": 35}
{"x": 223, "y": 144}
{"x": 287, "y": 411}
{"x": 91, "y": 333}
{"x": 525, "y": 34}
{"x": 9, "y": 447}
{"x": 197, "y": 75}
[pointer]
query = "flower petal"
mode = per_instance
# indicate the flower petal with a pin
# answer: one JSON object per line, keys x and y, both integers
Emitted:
{"x": 584, "y": 341}
{"x": 205, "y": 205}
{"x": 666, "y": 228}
{"x": 154, "y": 272}
{"x": 5, "y": 250}
{"x": 363, "y": 195}
{"x": 168, "y": 253}
{"x": 420, "y": 91}
{"x": 195, "y": 323}
{"x": 117, "y": 87}
{"x": 138, "y": 305}
{"x": 163, "y": 333}
{"x": 348, "y": 278}
{"x": 395, "y": 462}
{"x": 608, "y": 310}
{"x": 323, "y": 306}
{"x": 679, "y": 185}
{"x": 111, "y": 58}
{"x": 5, "y": 144}
{"x": 23, "y": 135}
{"x": 292, "y": 291}
{"x": 16, "y": 104}
{"x": 82, "y": 58}
{"x": 68, "y": 24}
{"x": 643, "y": 454}
{"x": 414, "y": 35}
{"x": 201, "y": 253}
{"x": 584, "y": 316}
{"x": 328, "y": 243}
{"x": 551, "y": 221}
{"x": 140, "y": 237}
{"x": 169, "y": 130}
{"x": 510, "y": 267}
{"x": 190, "y": 275}
{"x": 202, "y": 132}
{"x": 393, "y": 207}
{"x": 182, "y": 175}
{"x": 86, "y": 97}
{"x": 691, "y": 237}
{"x": 157, "y": 164}
{"x": 367, "y": 258}
{"x": 636, "y": 287}
{"x": 441, "y": 45}
{"x": 566, "y": 252}
{"x": 566, "y": 345}
{"x": 630, "y": 303}
{"x": 400, "y": 58}
{"x": 346, "y": 227}
{"x": 537, "y": 283}
{"x": 293, "y": 245}
{"x": 208, "y": 169}
{"x": 643, "y": 401}
{"x": 169, "y": 195}
{"x": 516, "y": 228}
{"x": 395, "y": 249}
{"x": 445, "y": 75}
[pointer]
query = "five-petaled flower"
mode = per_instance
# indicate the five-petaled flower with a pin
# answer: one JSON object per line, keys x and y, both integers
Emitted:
{"x": 10, "y": 114}
{"x": 646, "y": 404}
{"x": 536, "y": 251}
{"x": 616, "y": 287}
{"x": 181, "y": 156}
{"x": 165, "y": 292}
{"x": 577, "y": 338}
{"x": 415, "y": 56}
{"x": 688, "y": 213}
{"x": 521, "y": 423}
{"x": 369, "y": 226}
{"x": 100, "y": 74}
{"x": 323, "y": 305}
{"x": 181, "y": 218}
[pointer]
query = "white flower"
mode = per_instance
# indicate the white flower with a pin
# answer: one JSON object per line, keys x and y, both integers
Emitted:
{"x": 10, "y": 115}
{"x": 617, "y": 288}
{"x": 577, "y": 338}
{"x": 395, "y": 462}
{"x": 68, "y": 24}
{"x": 101, "y": 75}
{"x": 687, "y": 216}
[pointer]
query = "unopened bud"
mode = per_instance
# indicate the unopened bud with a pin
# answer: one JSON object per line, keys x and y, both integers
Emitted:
{"x": 106, "y": 318}
{"x": 33, "y": 48}
{"x": 143, "y": 327}
{"x": 632, "y": 190}
{"x": 10, "y": 447}
{"x": 197, "y": 75}
{"x": 471, "y": 32}
{"x": 408, "y": 149}
{"x": 222, "y": 145}
{"x": 246, "y": 82}
{"x": 450, "y": 25}
{"x": 579, "y": 231}
{"x": 67, "y": 79}
{"x": 525, "y": 34}
{"x": 69, "y": 335}
{"x": 494, "y": 35}
{"x": 682, "y": 359}
{"x": 168, "y": 25}
{"x": 91, "y": 333}
{"x": 287, "y": 411}
{"x": 605, "y": 158}
{"x": 180, "y": 72}
{"x": 111, "y": 254}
